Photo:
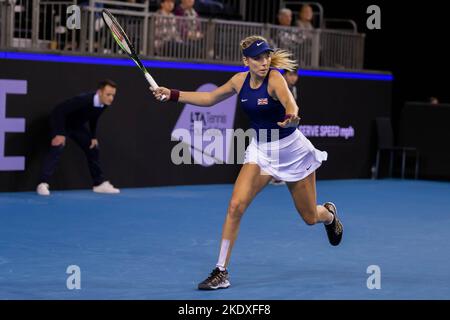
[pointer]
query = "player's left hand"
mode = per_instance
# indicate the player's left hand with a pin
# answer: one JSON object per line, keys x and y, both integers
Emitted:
{"x": 292, "y": 121}
{"x": 94, "y": 144}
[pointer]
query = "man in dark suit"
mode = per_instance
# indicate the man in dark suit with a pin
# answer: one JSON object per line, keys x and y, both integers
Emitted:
{"x": 69, "y": 119}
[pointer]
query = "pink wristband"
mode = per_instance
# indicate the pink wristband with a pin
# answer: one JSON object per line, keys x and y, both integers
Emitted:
{"x": 174, "y": 95}
{"x": 288, "y": 116}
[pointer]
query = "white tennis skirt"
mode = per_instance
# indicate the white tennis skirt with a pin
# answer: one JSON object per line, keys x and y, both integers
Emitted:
{"x": 290, "y": 159}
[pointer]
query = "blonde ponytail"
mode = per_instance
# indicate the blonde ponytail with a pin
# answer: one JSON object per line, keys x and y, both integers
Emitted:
{"x": 282, "y": 59}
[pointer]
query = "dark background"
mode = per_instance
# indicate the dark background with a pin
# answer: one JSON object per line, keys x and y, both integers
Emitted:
{"x": 426, "y": 128}
{"x": 134, "y": 134}
{"x": 412, "y": 44}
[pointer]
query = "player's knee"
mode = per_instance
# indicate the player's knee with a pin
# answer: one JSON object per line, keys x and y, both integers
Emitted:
{"x": 236, "y": 208}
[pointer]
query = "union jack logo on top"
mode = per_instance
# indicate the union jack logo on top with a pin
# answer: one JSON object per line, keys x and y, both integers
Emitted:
{"x": 262, "y": 101}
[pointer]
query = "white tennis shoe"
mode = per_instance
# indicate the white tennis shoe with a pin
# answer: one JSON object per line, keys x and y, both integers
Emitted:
{"x": 43, "y": 189}
{"x": 105, "y": 187}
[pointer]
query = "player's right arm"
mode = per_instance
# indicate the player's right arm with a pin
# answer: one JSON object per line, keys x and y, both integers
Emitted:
{"x": 204, "y": 99}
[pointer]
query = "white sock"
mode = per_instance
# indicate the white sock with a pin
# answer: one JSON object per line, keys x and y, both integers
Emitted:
{"x": 328, "y": 223}
{"x": 223, "y": 254}
{"x": 221, "y": 268}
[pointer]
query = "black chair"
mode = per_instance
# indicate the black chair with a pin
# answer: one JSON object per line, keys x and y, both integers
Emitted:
{"x": 385, "y": 136}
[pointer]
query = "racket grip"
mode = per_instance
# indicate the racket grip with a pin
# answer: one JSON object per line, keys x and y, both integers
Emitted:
{"x": 153, "y": 84}
{"x": 150, "y": 80}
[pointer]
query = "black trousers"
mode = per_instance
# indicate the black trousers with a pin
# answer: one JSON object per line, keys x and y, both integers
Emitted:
{"x": 83, "y": 138}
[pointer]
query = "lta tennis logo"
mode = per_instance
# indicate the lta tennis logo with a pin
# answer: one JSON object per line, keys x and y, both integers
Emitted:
{"x": 198, "y": 129}
{"x": 10, "y": 124}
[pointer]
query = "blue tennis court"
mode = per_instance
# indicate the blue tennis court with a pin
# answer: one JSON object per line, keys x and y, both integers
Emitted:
{"x": 158, "y": 243}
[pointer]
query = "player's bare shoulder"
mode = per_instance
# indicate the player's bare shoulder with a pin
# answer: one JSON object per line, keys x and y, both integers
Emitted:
{"x": 276, "y": 80}
{"x": 275, "y": 75}
{"x": 238, "y": 80}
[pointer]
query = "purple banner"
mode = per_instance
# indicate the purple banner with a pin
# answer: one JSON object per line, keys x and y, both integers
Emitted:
{"x": 10, "y": 124}
{"x": 201, "y": 122}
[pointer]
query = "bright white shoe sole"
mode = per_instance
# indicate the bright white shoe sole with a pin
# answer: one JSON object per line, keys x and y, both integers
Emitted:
{"x": 107, "y": 192}
{"x": 224, "y": 285}
{"x": 42, "y": 190}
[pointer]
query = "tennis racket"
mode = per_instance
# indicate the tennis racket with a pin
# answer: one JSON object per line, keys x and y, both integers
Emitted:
{"x": 124, "y": 42}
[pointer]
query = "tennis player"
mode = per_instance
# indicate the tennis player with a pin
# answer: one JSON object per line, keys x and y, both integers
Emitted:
{"x": 266, "y": 99}
{"x": 69, "y": 119}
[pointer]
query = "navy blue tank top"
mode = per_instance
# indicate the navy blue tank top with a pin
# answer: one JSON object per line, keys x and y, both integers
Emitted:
{"x": 263, "y": 111}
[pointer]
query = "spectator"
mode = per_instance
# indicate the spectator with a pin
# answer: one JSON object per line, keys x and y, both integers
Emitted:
{"x": 189, "y": 29}
{"x": 434, "y": 100}
{"x": 166, "y": 33}
{"x": 285, "y": 17}
{"x": 306, "y": 33}
{"x": 287, "y": 37}
{"x": 305, "y": 18}
{"x": 291, "y": 78}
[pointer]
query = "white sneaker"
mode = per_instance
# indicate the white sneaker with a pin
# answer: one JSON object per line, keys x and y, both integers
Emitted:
{"x": 43, "y": 189}
{"x": 105, "y": 187}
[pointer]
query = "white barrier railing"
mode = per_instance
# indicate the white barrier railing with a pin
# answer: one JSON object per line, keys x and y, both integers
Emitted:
{"x": 41, "y": 25}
